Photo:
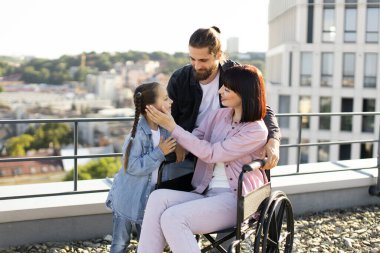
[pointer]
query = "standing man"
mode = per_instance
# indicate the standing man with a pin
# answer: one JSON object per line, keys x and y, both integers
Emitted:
{"x": 194, "y": 91}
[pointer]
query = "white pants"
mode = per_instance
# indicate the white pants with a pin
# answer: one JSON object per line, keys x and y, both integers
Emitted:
{"x": 175, "y": 216}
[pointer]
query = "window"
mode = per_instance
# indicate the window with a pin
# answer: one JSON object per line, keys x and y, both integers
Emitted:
{"x": 366, "y": 150}
{"x": 370, "y": 70}
{"x": 348, "y": 70}
{"x": 284, "y": 157}
{"x": 368, "y": 122}
{"x": 323, "y": 152}
{"x": 306, "y": 69}
{"x": 350, "y": 21}
{"x": 328, "y": 26}
{"x": 305, "y": 107}
{"x": 284, "y": 107}
{"x": 346, "y": 121}
{"x": 345, "y": 152}
{"x": 310, "y": 22}
{"x": 372, "y": 29}
{"x": 324, "y": 106}
{"x": 327, "y": 69}
{"x": 304, "y": 156}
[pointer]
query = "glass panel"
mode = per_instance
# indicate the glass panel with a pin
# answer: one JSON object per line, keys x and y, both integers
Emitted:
{"x": 284, "y": 157}
{"x": 324, "y": 106}
{"x": 366, "y": 150}
{"x": 329, "y": 29}
{"x": 327, "y": 69}
{"x": 350, "y": 25}
{"x": 323, "y": 152}
{"x": 305, "y": 107}
{"x": 370, "y": 70}
{"x": 306, "y": 69}
{"x": 304, "y": 152}
{"x": 348, "y": 70}
{"x": 372, "y": 31}
{"x": 345, "y": 152}
{"x": 284, "y": 107}
{"x": 368, "y": 122}
{"x": 346, "y": 121}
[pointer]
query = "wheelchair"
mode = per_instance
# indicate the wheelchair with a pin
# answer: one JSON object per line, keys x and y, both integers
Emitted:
{"x": 264, "y": 221}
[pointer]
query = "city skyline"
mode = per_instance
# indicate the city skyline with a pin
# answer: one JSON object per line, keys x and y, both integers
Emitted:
{"x": 50, "y": 29}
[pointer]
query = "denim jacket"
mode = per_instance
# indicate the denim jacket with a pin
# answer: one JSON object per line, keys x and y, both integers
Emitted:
{"x": 130, "y": 190}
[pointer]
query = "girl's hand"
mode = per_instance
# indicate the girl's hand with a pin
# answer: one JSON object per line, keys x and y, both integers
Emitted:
{"x": 164, "y": 119}
{"x": 167, "y": 146}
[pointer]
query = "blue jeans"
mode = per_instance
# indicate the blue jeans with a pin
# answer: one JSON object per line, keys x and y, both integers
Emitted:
{"x": 121, "y": 234}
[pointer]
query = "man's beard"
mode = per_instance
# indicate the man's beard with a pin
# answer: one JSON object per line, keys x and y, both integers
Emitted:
{"x": 200, "y": 76}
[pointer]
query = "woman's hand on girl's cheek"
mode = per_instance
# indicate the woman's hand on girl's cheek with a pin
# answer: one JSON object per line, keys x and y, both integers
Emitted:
{"x": 160, "y": 118}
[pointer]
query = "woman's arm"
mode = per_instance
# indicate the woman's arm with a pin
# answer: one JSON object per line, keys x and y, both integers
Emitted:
{"x": 248, "y": 140}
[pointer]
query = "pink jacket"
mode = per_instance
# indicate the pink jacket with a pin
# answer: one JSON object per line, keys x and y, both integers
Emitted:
{"x": 218, "y": 139}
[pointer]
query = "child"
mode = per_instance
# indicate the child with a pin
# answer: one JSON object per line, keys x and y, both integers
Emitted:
{"x": 144, "y": 150}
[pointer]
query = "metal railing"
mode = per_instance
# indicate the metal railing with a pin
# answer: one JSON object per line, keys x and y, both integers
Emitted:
{"x": 374, "y": 190}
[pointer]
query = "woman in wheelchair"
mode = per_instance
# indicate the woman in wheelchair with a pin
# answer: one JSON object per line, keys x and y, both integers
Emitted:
{"x": 226, "y": 140}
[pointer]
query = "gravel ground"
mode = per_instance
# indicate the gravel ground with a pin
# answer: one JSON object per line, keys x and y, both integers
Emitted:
{"x": 352, "y": 230}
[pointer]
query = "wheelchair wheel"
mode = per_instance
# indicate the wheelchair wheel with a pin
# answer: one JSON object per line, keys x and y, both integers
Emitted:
{"x": 275, "y": 229}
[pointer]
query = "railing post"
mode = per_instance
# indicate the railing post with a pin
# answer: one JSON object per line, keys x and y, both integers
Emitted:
{"x": 374, "y": 190}
{"x": 75, "y": 154}
{"x": 299, "y": 142}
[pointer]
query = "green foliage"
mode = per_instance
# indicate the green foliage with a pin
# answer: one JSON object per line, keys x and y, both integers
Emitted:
{"x": 75, "y": 68}
{"x": 52, "y": 135}
{"x": 6, "y": 69}
{"x": 17, "y": 146}
{"x": 1, "y": 89}
{"x": 96, "y": 169}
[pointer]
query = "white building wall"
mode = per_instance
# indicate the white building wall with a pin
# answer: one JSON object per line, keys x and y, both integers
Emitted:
{"x": 277, "y": 78}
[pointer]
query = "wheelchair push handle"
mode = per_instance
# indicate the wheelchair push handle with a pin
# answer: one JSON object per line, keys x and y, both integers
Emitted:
{"x": 254, "y": 165}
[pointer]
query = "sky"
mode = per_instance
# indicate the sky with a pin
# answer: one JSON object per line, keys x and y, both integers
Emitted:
{"x": 51, "y": 28}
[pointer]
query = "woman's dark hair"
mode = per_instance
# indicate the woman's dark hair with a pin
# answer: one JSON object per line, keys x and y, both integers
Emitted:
{"x": 207, "y": 37}
{"x": 145, "y": 94}
{"x": 248, "y": 82}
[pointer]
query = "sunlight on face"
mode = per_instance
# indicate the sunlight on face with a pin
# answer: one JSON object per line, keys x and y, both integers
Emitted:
{"x": 162, "y": 100}
{"x": 229, "y": 98}
{"x": 204, "y": 64}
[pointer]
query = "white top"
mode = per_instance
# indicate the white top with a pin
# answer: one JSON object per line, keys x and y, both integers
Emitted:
{"x": 156, "y": 141}
{"x": 210, "y": 99}
{"x": 219, "y": 177}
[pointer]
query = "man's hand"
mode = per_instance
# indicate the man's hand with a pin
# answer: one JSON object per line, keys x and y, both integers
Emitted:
{"x": 180, "y": 153}
{"x": 272, "y": 152}
{"x": 167, "y": 146}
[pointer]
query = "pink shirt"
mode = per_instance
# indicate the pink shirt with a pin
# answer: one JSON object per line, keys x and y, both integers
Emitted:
{"x": 218, "y": 139}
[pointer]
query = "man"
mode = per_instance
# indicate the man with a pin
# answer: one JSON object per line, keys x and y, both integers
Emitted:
{"x": 194, "y": 91}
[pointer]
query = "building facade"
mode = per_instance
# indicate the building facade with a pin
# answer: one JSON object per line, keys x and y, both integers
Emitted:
{"x": 323, "y": 56}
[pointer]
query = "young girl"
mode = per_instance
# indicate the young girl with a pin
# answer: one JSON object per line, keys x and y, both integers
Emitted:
{"x": 144, "y": 150}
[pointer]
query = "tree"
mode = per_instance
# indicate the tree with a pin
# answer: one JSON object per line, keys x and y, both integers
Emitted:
{"x": 17, "y": 146}
{"x": 96, "y": 169}
{"x": 51, "y": 135}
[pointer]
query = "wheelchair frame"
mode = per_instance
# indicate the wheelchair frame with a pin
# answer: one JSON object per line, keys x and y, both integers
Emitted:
{"x": 261, "y": 213}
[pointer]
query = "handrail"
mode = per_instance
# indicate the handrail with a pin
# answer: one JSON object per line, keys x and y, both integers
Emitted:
{"x": 374, "y": 190}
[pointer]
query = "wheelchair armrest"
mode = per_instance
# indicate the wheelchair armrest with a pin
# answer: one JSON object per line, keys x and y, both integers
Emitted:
{"x": 256, "y": 164}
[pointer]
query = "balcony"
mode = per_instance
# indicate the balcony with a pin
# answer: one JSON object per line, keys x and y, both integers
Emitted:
{"x": 75, "y": 210}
